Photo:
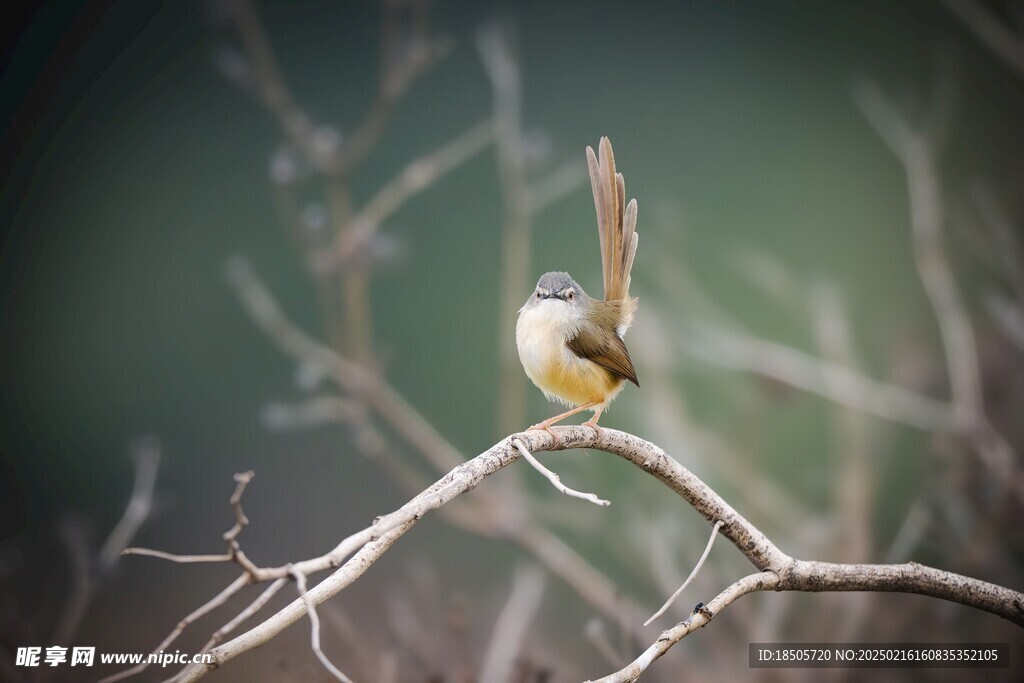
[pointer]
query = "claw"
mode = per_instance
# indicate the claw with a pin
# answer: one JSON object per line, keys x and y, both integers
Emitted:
{"x": 592, "y": 423}
{"x": 547, "y": 428}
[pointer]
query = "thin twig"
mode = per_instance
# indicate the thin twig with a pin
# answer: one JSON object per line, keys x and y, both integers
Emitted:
{"x": 254, "y": 607}
{"x": 555, "y": 480}
{"x": 332, "y": 585}
{"x": 755, "y": 582}
{"x": 140, "y": 505}
{"x": 234, "y": 553}
{"x": 403, "y": 58}
{"x": 417, "y": 176}
{"x": 172, "y": 557}
{"x": 354, "y": 378}
{"x": 314, "y": 627}
{"x": 273, "y": 89}
{"x": 213, "y": 603}
{"x": 692, "y": 576}
{"x": 146, "y": 453}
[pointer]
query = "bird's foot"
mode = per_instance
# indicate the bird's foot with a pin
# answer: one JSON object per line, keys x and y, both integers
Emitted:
{"x": 592, "y": 423}
{"x": 546, "y": 426}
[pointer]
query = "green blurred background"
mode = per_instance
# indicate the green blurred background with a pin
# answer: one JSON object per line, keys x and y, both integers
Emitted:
{"x": 134, "y": 169}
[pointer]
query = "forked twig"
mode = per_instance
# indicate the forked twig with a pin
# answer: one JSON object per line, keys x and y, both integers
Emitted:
{"x": 755, "y": 582}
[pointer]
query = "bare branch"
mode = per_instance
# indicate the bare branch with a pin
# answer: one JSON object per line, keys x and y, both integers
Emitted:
{"x": 314, "y": 627}
{"x": 497, "y": 46}
{"x": 999, "y": 38}
{"x": 256, "y": 605}
{"x": 277, "y": 96}
{"x": 596, "y": 588}
{"x": 172, "y": 557}
{"x": 692, "y": 576}
{"x": 916, "y": 152}
{"x": 416, "y": 58}
{"x": 146, "y": 453}
{"x": 216, "y": 601}
{"x": 417, "y": 176}
{"x": 780, "y": 571}
{"x": 927, "y": 220}
{"x": 323, "y": 146}
{"x": 352, "y": 570}
{"x": 147, "y": 462}
{"x": 512, "y": 624}
{"x": 854, "y": 484}
{"x": 234, "y": 553}
{"x": 833, "y": 381}
{"x": 313, "y": 411}
{"x": 755, "y": 582}
{"x": 555, "y": 480}
{"x": 355, "y": 379}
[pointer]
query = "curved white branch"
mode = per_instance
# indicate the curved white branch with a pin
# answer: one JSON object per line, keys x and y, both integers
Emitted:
{"x": 778, "y": 571}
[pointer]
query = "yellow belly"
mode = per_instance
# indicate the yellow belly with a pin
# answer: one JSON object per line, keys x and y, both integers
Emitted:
{"x": 577, "y": 382}
{"x": 558, "y": 372}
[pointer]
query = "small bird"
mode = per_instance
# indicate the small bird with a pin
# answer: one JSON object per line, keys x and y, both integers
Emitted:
{"x": 570, "y": 344}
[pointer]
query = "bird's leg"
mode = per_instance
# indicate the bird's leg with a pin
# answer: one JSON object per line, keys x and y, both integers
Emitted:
{"x": 546, "y": 424}
{"x": 592, "y": 422}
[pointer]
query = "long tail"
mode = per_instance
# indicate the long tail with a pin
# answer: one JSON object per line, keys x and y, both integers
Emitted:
{"x": 616, "y": 223}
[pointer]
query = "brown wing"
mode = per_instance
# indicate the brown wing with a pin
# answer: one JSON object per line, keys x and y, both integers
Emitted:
{"x": 605, "y": 348}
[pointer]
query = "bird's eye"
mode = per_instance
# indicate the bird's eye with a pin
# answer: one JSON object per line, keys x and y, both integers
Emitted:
{"x": 569, "y": 295}
{"x": 538, "y": 295}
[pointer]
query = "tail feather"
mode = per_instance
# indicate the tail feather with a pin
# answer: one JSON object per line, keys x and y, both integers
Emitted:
{"x": 629, "y": 242}
{"x": 616, "y": 222}
{"x": 604, "y": 213}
